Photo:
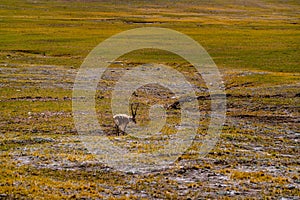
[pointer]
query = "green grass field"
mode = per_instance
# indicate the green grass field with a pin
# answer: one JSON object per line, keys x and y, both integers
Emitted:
{"x": 255, "y": 44}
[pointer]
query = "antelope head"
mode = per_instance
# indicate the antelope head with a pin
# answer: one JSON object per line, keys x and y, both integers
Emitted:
{"x": 133, "y": 111}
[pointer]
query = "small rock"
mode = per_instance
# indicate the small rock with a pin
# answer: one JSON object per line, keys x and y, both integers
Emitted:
{"x": 3, "y": 195}
{"x": 40, "y": 140}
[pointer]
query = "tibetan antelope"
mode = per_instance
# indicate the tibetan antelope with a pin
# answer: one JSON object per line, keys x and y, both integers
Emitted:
{"x": 122, "y": 120}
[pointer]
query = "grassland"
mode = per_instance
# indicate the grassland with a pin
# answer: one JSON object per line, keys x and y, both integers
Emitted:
{"x": 255, "y": 45}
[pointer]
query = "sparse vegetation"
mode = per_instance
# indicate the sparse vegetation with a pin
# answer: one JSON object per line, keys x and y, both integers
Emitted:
{"x": 256, "y": 46}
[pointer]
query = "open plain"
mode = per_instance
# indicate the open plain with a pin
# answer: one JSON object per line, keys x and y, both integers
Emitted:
{"x": 255, "y": 45}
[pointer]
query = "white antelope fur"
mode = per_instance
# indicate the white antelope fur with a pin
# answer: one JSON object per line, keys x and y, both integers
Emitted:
{"x": 122, "y": 120}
